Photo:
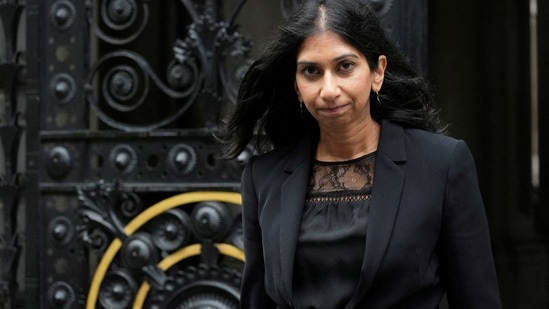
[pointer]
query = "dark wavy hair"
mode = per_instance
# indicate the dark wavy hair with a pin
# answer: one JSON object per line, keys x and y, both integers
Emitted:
{"x": 267, "y": 103}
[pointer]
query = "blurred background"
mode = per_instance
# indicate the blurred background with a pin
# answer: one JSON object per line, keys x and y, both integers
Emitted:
{"x": 111, "y": 192}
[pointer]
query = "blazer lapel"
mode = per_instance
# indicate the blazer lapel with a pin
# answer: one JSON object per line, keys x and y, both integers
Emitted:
{"x": 384, "y": 203}
{"x": 292, "y": 200}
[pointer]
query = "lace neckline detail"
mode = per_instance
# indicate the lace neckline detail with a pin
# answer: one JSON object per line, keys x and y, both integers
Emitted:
{"x": 351, "y": 176}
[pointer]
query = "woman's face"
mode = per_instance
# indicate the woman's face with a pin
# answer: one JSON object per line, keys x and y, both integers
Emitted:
{"x": 334, "y": 81}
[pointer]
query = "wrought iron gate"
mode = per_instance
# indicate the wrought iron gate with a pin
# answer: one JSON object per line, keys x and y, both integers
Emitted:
{"x": 110, "y": 169}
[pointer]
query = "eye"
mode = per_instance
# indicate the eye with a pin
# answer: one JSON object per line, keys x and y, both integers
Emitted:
{"x": 346, "y": 66}
{"x": 310, "y": 71}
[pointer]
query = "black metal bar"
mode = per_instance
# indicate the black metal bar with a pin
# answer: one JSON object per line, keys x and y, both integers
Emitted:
{"x": 33, "y": 241}
{"x": 543, "y": 112}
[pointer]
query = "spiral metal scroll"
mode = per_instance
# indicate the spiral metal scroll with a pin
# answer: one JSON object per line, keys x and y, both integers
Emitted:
{"x": 207, "y": 62}
{"x": 171, "y": 255}
{"x": 122, "y": 21}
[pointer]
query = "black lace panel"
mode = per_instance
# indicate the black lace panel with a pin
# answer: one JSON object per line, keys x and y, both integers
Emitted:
{"x": 345, "y": 181}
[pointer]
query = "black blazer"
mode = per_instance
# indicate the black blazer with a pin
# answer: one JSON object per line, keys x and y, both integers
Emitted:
{"x": 427, "y": 230}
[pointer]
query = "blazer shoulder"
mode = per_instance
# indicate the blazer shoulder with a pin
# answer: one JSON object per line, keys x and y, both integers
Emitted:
{"x": 436, "y": 149}
{"x": 286, "y": 158}
{"x": 431, "y": 140}
{"x": 400, "y": 142}
{"x": 270, "y": 159}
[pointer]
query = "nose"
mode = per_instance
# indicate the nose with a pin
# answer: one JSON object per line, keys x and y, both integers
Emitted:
{"x": 330, "y": 87}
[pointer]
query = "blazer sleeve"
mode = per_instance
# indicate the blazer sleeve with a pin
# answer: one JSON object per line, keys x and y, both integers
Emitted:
{"x": 252, "y": 295}
{"x": 467, "y": 263}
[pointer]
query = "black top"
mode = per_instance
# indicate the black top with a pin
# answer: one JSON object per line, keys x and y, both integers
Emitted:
{"x": 335, "y": 218}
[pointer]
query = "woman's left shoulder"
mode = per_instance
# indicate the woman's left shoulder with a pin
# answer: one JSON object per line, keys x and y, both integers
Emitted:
{"x": 431, "y": 138}
{"x": 435, "y": 145}
{"x": 399, "y": 139}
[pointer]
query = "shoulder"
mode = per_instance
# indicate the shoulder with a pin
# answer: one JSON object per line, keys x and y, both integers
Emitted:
{"x": 394, "y": 133}
{"x": 430, "y": 140}
{"x": 270, "y": 158}
{"x": 428, "y": 147}
{"x": 285, "y": 158}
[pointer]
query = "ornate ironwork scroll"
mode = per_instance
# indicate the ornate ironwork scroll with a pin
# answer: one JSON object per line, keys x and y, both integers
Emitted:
{"x": 204, "y": 65}
{"x": 10, "y": 136}
{"x": 165, "y": 233}
{"x": 182, "y": 252}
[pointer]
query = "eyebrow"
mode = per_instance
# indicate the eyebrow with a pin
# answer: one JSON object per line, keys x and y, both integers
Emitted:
{"x": 338, "y": 58}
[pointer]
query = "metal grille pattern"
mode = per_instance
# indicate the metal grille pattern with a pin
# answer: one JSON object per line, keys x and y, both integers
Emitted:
{"x": 113, "y": 174}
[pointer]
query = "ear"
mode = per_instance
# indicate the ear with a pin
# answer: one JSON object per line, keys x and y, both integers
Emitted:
{"x": 379, "y": 73}
{"x": 297, "y": 91}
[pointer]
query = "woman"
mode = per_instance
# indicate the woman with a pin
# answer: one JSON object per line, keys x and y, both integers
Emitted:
{"x": 356, "y": 200}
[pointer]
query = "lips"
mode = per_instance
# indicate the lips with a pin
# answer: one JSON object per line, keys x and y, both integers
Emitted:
{"x": 331, "y": 110}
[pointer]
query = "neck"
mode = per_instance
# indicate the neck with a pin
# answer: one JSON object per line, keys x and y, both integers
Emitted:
{"x": 348, "y": 143}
